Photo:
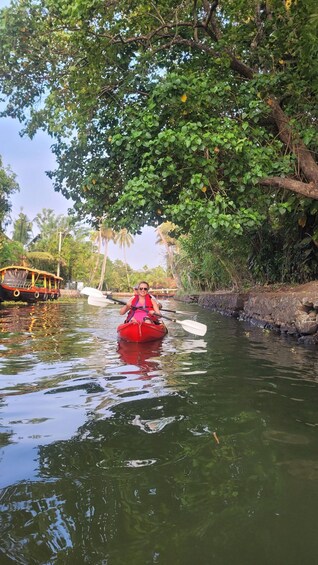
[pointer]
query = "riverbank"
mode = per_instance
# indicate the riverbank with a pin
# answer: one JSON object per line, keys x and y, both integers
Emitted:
{"x": 290, "y": 310}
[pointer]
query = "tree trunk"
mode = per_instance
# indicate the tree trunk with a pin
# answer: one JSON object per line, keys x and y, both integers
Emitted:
{"x": 103, "y": 271}
{"x": 97, "y": 258}
{"x": 126, "y": 267}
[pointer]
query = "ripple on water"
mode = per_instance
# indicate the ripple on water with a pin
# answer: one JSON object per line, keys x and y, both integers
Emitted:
{"x": 304, "y": 469}
{"x": 285, "y": 437}
{"x": 154, "y": 426}
{"x": 132, "y": 463}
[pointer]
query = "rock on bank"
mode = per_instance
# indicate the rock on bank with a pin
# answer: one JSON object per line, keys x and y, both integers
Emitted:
{"x": 289, "y": 310}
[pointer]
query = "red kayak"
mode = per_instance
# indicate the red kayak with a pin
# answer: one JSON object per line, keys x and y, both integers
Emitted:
{"x": 141, "y": 331}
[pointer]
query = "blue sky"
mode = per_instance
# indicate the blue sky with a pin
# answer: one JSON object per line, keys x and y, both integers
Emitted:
{"x": 29, "y": 159}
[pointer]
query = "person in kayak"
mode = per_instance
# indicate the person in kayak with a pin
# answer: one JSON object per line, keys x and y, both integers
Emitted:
{"x": 151, "y": 296}
{"x": 145, "y": 306}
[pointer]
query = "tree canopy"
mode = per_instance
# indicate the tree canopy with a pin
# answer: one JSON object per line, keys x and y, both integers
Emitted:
{"x": 194, "y": 112}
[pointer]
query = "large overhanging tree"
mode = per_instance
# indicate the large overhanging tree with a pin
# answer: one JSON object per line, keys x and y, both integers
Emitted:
{"x": 185, "y": 111}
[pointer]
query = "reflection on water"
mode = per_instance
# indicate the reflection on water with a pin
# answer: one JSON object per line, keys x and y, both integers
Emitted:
{"x": 109, "y": 453}
{"x": 144, "y": 356}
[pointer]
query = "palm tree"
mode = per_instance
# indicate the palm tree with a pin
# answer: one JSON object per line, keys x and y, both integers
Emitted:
{"x": 22, "y": 229}
{"x": 170, "y": 244}
{"x": 96, "y": 237}
{"x": 41, "y": 260}
{"x": 107, "y": 234}
{"x": 48, "y": 223}
{"x": 124, "y": 240}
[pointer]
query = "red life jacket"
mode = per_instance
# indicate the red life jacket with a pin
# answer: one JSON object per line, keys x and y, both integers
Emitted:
{"x": 148, "y": 306}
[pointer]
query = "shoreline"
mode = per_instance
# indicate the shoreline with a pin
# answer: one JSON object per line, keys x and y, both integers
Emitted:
{"x": 290, "y": 311}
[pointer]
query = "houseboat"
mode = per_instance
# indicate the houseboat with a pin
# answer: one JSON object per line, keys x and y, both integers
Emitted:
{"x": 25, "y": 284}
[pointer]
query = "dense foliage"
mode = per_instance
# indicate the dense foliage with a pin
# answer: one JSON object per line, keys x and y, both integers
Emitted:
{"x": 8, "y": 185}
{"x": 202, "y": 114}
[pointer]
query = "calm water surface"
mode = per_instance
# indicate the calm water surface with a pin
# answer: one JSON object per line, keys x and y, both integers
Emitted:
{"x": 190, "y": 450}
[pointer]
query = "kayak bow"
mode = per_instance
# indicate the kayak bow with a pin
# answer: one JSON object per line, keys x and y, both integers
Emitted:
{"x": 141, "y": 331}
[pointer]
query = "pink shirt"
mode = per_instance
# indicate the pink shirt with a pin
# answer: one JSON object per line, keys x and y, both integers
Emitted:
{"x": 139, "y": 315}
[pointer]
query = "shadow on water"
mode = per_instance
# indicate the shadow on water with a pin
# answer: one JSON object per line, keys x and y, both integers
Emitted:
{"x": 178, "y": 451}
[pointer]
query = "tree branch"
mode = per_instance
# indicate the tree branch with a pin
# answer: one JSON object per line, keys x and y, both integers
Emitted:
{"x": 309, "y": 190}
{"x": 169, "y": 34}
{"x": 210, "y": 10}
{"x": 195, "y": 21}
{"x": 293, "y": 142}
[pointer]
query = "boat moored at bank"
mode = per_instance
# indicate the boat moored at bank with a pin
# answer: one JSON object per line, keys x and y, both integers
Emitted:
{"x": 26, "y": 284}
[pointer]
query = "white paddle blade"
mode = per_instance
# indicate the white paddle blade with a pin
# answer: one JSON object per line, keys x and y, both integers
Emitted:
{"x": 99, "y": 301}
{"x": 193, "y": 327}
{"x": 89, "y": 291}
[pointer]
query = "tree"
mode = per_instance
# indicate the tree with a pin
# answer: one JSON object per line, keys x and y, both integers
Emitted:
{"x": 48, "y": 223}
{"x": 124, "y": 240}
{"x": 96, "y": 237}
{"x": 11, "y": 252}
{"x": 107, "y": 234}
{"x": 210, "y": 263}
{"x": 201, "y": 113}
{"x": 8, "y": 185}
{"x": 64, "y": 241}
{"x": 22, "y": 229}
{"x": 165, "y": 237}
{"x": 229, "y": 35}
{"x": 116, "y": 275}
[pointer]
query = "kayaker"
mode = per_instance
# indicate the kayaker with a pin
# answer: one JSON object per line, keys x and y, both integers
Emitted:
{"x": 151, "y": 296}
{"x": 145, "y": 304}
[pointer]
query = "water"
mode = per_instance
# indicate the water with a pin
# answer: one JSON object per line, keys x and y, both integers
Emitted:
{"x": 191, "y": 450}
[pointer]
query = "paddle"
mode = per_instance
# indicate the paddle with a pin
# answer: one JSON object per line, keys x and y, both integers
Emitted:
{"x": 176, "y": 311}
{"x": 163, "y": 309}
{"x": 99, "y": 301}
{"x": 89, "y": 291}
{"x": 188, "y": 325}
{"x": 104, "y": 300}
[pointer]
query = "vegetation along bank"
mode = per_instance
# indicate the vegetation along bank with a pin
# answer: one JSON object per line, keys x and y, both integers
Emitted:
{"x": 292, "y": 311}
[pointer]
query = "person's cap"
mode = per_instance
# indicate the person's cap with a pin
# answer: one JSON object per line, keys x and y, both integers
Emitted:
{"x": 136, "y": 287}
